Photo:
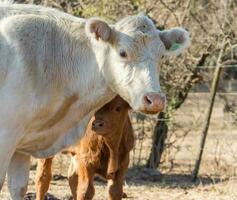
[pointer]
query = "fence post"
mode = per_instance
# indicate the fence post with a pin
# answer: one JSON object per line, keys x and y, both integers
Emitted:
{"x": 209, "y": 111}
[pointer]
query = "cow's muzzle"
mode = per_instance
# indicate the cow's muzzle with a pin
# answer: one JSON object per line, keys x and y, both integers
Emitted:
{"x": 153, "y": 103}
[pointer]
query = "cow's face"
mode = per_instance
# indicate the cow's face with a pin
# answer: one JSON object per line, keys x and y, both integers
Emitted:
{"x": 129, "y": 54}
{"x": 111, "y": 117}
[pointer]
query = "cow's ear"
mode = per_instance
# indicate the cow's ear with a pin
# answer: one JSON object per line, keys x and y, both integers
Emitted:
{"x": 175, "y": 40}
{"x": 98, "y": 29}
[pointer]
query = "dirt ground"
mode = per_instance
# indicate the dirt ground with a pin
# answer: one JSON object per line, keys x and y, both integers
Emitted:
{"x": 218, "y": 172}
{"x": 162, "y": 187}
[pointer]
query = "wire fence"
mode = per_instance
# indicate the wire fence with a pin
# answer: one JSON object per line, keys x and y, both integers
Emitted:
{"x": 214, "y": 66}
{"x": 185, "y": 128}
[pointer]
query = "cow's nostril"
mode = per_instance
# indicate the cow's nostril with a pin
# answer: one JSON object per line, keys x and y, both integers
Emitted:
{"x": 100, "y": 124}
{"x": 153, "y": 102}
{"x": 148, "y": 100}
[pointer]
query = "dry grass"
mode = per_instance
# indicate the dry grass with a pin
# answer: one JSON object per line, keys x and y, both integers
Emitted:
{"x": 165, "y": 187}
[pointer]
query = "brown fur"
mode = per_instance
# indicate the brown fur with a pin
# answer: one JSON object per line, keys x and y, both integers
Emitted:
{"x": 103, "y": 151}
{"x": 43, "y": 177}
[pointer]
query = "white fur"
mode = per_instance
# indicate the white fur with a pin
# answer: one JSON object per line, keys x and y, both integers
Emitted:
{"x": 18, "y": 173}
{"x": 46, "y": 58}
{"x": 6, "y": 2}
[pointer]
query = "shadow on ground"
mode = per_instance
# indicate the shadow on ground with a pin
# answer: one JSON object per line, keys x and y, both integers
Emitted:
{"x": 141, "y": 176}
{"x": 31, "y": 196}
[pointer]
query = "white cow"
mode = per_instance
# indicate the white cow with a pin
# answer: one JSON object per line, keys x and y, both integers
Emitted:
{"x": 56, "y": 70}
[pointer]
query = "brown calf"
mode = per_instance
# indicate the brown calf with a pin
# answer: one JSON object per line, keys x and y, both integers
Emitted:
{"x": 104, "y": 150}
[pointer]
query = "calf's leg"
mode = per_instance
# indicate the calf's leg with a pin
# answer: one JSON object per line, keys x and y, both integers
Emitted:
{"x": 73, "y": 177}
{"x": 115, "y": 186}
{"x": 113, "y": 145}
{"x": 18, "y": 175}
{"x": 43, "y": 177}
{"x": 85, "y": 187}
{"x": 112, "y": 162}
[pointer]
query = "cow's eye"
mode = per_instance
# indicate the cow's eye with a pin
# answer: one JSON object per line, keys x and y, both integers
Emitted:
{"x": 123, "y": 54}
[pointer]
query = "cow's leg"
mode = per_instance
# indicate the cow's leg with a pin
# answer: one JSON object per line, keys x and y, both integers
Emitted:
{"x": 43, "y": 177}
{"x": 115, "y": 186}
{"x": 7, "y": 148}
{"x": 3, "y": 171}
{"x": 85, "y": 187}
{"x": 18, "y": 175}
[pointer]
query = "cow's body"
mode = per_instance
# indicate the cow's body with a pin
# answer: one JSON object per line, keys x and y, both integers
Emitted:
{"x": 46, "y": 72}
{"x": 56, "y": 70}
{"x": 104, "y": 150}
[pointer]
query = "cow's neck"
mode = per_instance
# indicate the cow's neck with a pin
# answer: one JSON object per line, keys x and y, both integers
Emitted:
{"x": 83, "y": 74}
{"x": 79, "y": 76}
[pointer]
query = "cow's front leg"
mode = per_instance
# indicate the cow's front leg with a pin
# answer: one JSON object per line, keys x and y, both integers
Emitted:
{"x": 18, "y": 175}
{"x": 3, "y": 171}
{"x": 43, "y": 177}
{"x": 3, "y": 168}
{"x": 7, "y": 148}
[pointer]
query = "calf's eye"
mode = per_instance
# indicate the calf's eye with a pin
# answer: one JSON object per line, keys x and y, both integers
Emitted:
{"x": 118, "y": 109}
{"x": 123, "y": 54}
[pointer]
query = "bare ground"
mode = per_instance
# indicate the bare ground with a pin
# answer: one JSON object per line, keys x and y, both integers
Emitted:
{"x": 162, "y": 187}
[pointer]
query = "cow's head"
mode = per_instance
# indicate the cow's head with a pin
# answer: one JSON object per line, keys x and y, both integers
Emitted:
{"x": 129, "y": 53}
{"x": 111, "y": 118}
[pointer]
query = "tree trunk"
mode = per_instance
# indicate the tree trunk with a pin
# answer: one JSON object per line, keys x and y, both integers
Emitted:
{"x": 160, "y": 134}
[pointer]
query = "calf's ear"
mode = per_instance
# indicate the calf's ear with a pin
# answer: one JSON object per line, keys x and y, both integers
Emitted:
{"x": 175, "y": 40}
{"x": 98, "y": 29}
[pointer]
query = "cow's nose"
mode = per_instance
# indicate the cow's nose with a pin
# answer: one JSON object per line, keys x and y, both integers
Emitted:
{"x": 97, "y": 124}
{"x": 153, "y": 102}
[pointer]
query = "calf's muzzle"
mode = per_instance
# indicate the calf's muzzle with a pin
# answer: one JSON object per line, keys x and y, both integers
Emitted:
{"x": 97, "y": 124}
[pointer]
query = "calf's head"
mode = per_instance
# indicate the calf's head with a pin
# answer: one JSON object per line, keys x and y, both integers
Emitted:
{"x": 109, "y": 122}
{"x": 111, "y": 118}
{"x": 128, "y": 54}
